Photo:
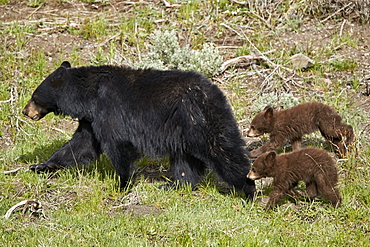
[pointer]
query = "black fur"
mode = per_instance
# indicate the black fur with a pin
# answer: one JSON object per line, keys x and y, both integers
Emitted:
{"x": 128, "y": 113}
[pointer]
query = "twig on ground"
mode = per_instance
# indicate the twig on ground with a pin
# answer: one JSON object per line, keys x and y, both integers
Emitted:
{"x": 12, "y": 97}
{"x": 341, "y": 28}
{"x": 168, "y": 5}
{"x": 263, "y": 20}
{"x": 35, "y": 11}
{"x": 239, "y": 2}
{"x": 336, "y": 12}
{"x": 249, "y": 59}
{"x": 254, "y": 47}
{"x": 257, "y": 71}
{"x": 13, "y": 171}
{"x": 109, "y": 39}
{"x": 33, "y": 205}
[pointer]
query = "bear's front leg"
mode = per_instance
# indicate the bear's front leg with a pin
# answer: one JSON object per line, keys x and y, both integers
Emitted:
{"x": 275, "y": 197}
{"x": 265, "y": 148}
{"x": 256, "y": 152}
{"x": 272, "y": 145}
{"x": 82, "y": 149}
{"x": 44, "y": 167}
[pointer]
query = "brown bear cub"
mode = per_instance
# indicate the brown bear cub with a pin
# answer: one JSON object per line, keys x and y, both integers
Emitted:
{"x": 315, "y": 167}
{"x": 291, "y": 124}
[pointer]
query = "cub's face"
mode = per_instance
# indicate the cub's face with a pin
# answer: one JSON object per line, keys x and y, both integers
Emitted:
{"x": 257, "y": 126}
{"x": 262, "y": 123}
{"x": 44, "y": 99}
{"x": 263, "y": 166}
{"x": 254, "y": 174}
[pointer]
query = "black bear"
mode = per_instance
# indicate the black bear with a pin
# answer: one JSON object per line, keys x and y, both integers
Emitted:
{"x": 291, "y": 124}
{"x": 312, "y": 165}
{"x": 127, "y": 113}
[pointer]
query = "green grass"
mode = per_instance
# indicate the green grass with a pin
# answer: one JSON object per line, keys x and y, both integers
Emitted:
{"x": 84, "y": 207}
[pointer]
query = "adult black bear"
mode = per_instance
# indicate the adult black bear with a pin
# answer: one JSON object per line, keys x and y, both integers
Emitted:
{"x": 128, "y": 113}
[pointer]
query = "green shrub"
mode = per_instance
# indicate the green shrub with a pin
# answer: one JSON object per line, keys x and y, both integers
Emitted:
{"x": 165, "y": 52}
{"x": 286, "y": 100}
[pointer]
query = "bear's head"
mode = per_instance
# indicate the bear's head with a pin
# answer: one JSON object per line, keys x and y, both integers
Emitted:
{"x": 263, "y": 166}
{"x": 44, "y": 99}
{"x": 262, "y": 123}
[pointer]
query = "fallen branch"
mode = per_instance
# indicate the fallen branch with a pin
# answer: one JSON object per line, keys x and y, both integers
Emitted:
{"x": 336, "y": 12}
{"x": 239, "y": 2}
{"x": 33, "y": 205}
{"x": 254, "y": 47}
{"x": 168, "y": 5}
{"x": 249, "y": 59}
{"x": 109, "y": 39}
{"x": 13, "y": 171}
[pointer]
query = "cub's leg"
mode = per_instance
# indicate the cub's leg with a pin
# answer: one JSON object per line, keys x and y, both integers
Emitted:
{"x": 269, "y": 146}
{"x": 328, "y": 190}
{"x": 297, "y": 143}
{"x": 335, "y": 131}
{"x": 275, "y": 197}
{"x": 311, "y": 189}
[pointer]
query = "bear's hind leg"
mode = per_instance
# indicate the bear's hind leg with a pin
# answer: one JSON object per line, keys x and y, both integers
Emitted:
{"x": 122, "y": 156}
{"x": 186, "y": 169}
{"x": 328, "y": 190}
{"x": 82, "y": 149}
{"x": 335, "y": 133}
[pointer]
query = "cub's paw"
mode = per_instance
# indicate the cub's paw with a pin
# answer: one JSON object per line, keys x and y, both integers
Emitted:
{"x": 44, "y": 167}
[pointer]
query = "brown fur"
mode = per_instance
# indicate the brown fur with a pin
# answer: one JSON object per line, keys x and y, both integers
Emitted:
{"x": 315, "y": 167}
{"x": 291, "y": 124}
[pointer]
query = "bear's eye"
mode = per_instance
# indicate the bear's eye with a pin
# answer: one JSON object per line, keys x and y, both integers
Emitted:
{"x": 252, "y": 127}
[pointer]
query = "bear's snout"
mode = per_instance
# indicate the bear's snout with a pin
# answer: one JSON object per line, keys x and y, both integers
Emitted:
{"x": 252, "y": 133}
{"x": 253, "y": 175}
{"x": 33, "y": 111}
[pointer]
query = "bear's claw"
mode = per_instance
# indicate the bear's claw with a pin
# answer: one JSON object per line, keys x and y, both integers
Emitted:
{"x": 44, "y": 167}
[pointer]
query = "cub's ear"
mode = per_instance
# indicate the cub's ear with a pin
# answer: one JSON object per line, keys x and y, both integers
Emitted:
{"x": 65, "y": 64}
{"x": 270, "y": 158}
{"x": 269, "y": 113}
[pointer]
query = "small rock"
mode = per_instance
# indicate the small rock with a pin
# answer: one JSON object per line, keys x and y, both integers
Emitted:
{"x": 301, "y": 61}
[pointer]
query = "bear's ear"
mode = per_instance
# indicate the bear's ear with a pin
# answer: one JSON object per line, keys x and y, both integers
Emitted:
{"x": 269, "y": 112}
{"x": 270, "y": 157}
{"x": 65, "y": 64}
{"x": 58, "y": 77}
